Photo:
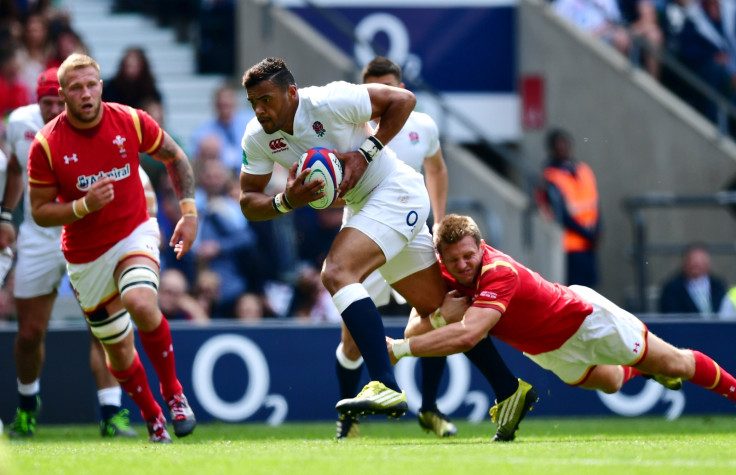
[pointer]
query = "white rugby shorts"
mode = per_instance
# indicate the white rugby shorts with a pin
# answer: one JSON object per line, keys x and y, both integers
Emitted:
{"x": 41, "y": 265}
{"x": 394, "y": 216}
{"x": 608, "y": 336}
{"x": 6, "y": 262}
{"x": 94, "y": 282}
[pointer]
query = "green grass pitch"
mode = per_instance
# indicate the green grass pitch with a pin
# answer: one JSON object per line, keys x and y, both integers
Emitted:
{"x": 544, "y": 446}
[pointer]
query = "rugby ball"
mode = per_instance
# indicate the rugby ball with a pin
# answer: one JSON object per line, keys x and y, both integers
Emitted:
{"x": 322, "y": 165}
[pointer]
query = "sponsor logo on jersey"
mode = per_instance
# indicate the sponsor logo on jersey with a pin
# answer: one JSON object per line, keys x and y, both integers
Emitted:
{"x": 318, "y": 128}
{"x": 278, "y": 145}
{"x": 29, "y": 135}
{"x": 245, "y": 158}
{"x": 120, "y": 143}
{"x": 73, "y": 158}
{"x": 117, "y": 174}
{"x": 488, "y": 294}
{"x": 414, "y": 138}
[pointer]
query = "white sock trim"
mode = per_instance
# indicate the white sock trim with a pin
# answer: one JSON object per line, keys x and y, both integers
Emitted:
{"x": 349, "y": 294}
{"x": 346, "y": 362}
{"x": 30, "y": 389}
{"x": 110, "y": 396}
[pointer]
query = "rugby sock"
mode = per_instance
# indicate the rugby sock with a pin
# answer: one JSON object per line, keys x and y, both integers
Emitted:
{"x": 28, "y": 395}
{"x": 711, "y": 376}
{"x": 135, "y": 383}
{"x": 486, "y": 358}
{"x": 160, "y": 351}
{"x": 348, "y": 373}
{"x": 365, "y": 325}
{"x": 630, "y": 373}
{"x": 432, "y": 369}
{"x": 110, "y": 401}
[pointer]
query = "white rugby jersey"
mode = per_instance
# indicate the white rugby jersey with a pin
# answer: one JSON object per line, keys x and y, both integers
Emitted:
{"x": 23, "y": 123}
{"x": 334, "y": 116}
{"x": 417, "y": 140}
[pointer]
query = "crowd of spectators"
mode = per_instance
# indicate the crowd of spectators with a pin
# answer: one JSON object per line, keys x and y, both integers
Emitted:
{"x": 699, "y": 34}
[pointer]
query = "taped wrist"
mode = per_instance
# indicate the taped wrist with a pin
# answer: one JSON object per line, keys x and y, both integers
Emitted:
{"x": 401, "y": 348}
{"x": 6, "y": 215}
{"x": 437, "y": 320}
{"x": 370, "y": 148}
{"x": 280, "y": 204}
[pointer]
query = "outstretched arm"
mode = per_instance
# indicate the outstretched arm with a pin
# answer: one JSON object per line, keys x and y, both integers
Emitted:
{"x": 182, "y": 180}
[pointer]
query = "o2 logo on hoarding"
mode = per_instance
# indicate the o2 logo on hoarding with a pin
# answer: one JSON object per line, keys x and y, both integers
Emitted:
{"x": 457, "y": 392}
{"x": 258, "y": 382}
{"x": 631, "y": 405}
{"x": 398, "y": 43}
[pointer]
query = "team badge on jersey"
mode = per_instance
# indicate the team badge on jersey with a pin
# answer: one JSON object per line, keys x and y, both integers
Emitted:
{"x": 120, "y": 143}
{"x": 318, "y": 128}
{"x": 414, "y": 137}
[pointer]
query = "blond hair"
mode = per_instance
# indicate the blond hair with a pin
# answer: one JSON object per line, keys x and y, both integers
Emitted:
{"x": 453, "y": 228}
{"x": 75, "y": 61}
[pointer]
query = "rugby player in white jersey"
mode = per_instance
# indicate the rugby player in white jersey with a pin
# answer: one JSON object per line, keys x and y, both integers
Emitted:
{"x": 39, "y": 273}
{"x": 387, "y": 203}
{"x": 417, "y": 145}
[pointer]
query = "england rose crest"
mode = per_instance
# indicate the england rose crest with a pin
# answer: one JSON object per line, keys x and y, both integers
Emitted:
{"x": 318, "y": 128}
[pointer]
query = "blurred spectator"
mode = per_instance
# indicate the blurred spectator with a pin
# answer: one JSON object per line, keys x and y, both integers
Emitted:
{"x": 169, "y": 212}
{"x": 727, "y": 309}
{"x": 174, "y": 298}
{"x": 64, "y": 41}
{"x": 311, "y": 300}
{"x": 34, "y": 53}
{"x": 133, "y": 82}
{"x": 249, "y": 307}
{"x": 571, "y": 195}
{"x": 228, "y": 124}
{"x": 210, "y": 148}
{"x": 709, "y": 50}
{"x": 207, "y": 290}
{"x": 225, "y": 243}
{"x": 600, "y": 18}
{"x": 216, "y": 37}
{"x": 693, "y": 289}
{"x": 641, "y": 17}
{"x": 315, "y": 231}
{"x": 13, "y": 91}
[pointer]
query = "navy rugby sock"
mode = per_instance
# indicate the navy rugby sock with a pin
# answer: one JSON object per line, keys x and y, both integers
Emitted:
{"x": 432, "y": 369}
{"x": 348, "y": 380}
{"x": 365, "y": 325}
{"x": 486, "y": 358}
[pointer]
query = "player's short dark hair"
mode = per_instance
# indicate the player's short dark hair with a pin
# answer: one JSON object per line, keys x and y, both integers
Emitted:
{"x": 453, "y": 228}
{"x": 380, "y": 66}
{"x": 269, "y": 69}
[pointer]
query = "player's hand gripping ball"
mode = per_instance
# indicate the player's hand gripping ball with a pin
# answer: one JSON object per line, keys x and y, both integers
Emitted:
{"x": 325, "y": 165}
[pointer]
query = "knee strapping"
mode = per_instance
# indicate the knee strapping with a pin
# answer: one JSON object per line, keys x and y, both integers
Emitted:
{"x": 138, "y": 276}
{"x": 111, "y": 329}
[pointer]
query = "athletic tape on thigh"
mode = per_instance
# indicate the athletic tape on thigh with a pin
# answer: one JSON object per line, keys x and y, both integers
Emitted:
{"x": 138, "y": 276}
{"x": 113, "y": 328}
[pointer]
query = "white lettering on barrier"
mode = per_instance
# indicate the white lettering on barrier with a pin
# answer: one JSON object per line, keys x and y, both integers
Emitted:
{"x": 398, "y": 42}
{"x": 457, "y": 388}
{"x": 637, "y": 404}
{"x": 258, "y": 380}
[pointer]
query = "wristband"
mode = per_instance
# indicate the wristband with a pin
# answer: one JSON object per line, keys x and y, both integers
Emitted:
{"x": 279, "y": 204}
{"x": 188, "y": 208}
{"x": 6, "y": 215}
{"x": 74, "y": 209}
{"x": 285, "y": 201}
{"x": 437, "y": 320}
{"x": 401, "y": 348}
{"x": 370, "y": 148}
{"x": 84, "y": 202}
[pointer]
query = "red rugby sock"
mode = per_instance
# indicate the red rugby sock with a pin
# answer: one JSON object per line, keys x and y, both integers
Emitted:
{"x": 711, "y": 376}
{"x": 630, "y": 373}
{"x": 134, "y": 382}
{"x": 160, "y": 351}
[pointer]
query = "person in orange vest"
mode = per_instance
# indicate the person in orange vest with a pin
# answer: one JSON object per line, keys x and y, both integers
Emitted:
{"x": 571, "y": 193}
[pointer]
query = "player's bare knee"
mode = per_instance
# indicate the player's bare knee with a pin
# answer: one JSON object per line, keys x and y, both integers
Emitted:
{"x": 31, "y": 333}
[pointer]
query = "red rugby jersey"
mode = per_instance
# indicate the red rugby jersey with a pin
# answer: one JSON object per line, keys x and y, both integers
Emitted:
{"x": 537, "y": 315}
{"x": 72, "y": 159}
